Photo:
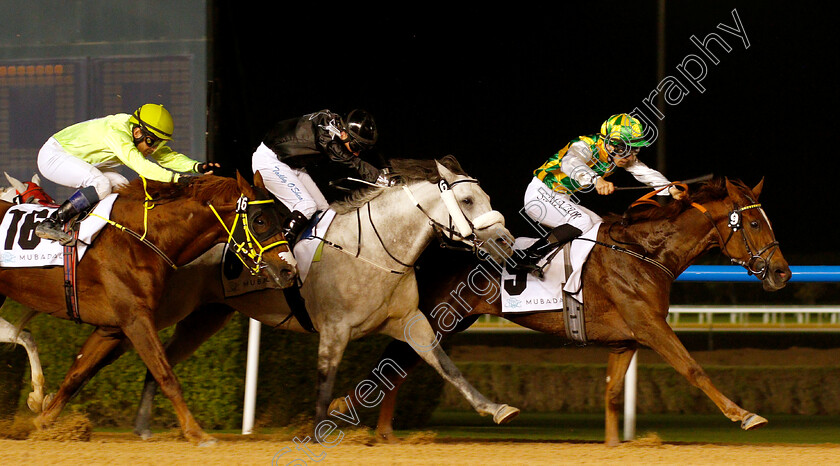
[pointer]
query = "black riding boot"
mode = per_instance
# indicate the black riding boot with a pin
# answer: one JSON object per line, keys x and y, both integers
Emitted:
{"x": 294, "y": 226}
{"x": 555, "y": 239}
{"x": 78, "y": 202}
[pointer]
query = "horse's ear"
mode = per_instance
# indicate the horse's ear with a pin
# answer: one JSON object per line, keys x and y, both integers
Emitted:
{"x": 244, "y": 186}
{"x": 757, "y": 189}
{"x": 36, "y": 179}
{"x": 732, "y": 190}
{"x": 258, "y": 180}
{"x": 445, "y": 173}
{"x": 20, "y": 187}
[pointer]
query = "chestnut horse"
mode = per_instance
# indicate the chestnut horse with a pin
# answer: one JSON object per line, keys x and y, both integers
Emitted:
{"x": 121, "y": 279}
{"x": 29, "y": 192}
{"x": 625, "y": 298}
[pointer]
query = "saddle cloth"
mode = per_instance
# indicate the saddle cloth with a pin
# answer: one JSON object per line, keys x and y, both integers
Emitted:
{"x": 236, "y": 281}
{"x": 546, "y": 294}
{"x": 21, "y": 248}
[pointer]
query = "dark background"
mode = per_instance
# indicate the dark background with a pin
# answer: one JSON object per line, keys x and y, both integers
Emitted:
{"x": 504, "y": 88}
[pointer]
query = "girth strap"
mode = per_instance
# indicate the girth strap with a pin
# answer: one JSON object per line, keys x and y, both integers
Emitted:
{"x": 71, "y": 297}
{"x": 572, "y": 308}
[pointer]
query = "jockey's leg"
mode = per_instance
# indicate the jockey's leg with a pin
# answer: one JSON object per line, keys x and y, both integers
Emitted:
{"x": 78, "y": 202}
{"x": 564, "y": 218}
{"x": 293, "y": 187}
{"x": 62, "y": 168}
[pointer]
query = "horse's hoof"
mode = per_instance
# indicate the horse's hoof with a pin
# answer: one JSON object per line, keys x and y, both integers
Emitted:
{"x": 387, "y": 437}
{"x": 339, "y": 405}
{"x": 35, "y": 402}
{"x": 144, "y": 434}
{"x": 505, "y": 414}
{"x": 208, "y": 442}
{"x": 753, "y": 421}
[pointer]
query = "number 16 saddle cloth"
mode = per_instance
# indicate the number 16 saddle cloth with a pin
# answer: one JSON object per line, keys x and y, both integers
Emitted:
{"x": 22, "y": 248}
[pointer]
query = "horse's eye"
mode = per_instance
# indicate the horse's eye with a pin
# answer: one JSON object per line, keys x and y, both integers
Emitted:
{"x": 754, "y": 224}
{"x": 467, "y": 201}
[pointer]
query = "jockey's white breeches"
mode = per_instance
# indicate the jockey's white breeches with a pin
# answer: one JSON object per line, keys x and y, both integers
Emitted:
{"x": 56, "y": 165}
{"x": 552, "y": 209}
{"x": 291, "y": 186}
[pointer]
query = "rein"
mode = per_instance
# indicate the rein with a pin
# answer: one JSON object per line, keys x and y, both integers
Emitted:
{"x": 755, "y": 265}
{"x": 635, "y": 254}
{"x": 465, "y": 228}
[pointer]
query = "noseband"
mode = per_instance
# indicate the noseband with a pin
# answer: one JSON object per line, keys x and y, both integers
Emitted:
{"x": 465, "y": 228}
{"x": 460, "y": 227}
{"x": 756, "y": 263}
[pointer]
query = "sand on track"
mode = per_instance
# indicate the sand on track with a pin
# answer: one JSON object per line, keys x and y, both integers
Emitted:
{"x": 117, "y": 449}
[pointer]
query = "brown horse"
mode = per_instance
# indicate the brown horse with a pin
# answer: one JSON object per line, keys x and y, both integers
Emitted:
{"x": 121, "y": 280}
{"x": 625, "y": 298}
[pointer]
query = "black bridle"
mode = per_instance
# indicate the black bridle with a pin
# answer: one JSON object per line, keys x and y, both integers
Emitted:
{"x": 756, "y": 263}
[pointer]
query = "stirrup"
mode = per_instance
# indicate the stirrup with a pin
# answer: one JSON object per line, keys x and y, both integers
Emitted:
{"x": 528, "y": 264}
{"x": 51, "y": 231}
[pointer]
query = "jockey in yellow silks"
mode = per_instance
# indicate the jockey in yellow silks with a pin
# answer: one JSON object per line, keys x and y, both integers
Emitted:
{"x": 86, "y": 155}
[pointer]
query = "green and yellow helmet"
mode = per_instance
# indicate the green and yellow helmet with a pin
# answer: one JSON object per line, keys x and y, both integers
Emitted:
{"x": 624, "y": 128}
{"x": 154, "y": 119}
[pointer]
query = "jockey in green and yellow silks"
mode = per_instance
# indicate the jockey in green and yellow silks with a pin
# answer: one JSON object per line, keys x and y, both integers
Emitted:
{"x": 582, "y": 165}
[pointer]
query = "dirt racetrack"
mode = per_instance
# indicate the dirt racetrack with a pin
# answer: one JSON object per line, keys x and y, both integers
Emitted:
{"x": 118, "y": 449}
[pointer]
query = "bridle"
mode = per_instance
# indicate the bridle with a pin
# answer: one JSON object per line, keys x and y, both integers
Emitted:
{"x": 460, "y": 228}
{"x": 243, "y": 242}
{"x": 756, "y": 264}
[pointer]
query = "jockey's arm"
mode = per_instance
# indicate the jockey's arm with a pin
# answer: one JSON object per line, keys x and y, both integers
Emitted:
{"x": 574, "y": 166}
{"x": 125, "y": 150}
{"x": 175, "y": 161}
{"x": 651, "y": 177}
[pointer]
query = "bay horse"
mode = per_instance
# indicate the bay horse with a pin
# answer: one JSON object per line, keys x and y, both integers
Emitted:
{"x": 346, "y": 297}
{"x": 121, "y": 279}
{"x": 626, "y": 299}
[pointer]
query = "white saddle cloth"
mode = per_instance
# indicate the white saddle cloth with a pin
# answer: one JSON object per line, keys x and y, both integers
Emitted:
{"x": 308, "y": 248}
{"x": 546, "y": 294}
{"x": 21, "y": 248}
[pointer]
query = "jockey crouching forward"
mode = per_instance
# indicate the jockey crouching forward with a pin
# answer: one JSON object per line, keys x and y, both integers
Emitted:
{"x": 298, "y": 151}
{"x": 86, "y": 155}
{"x": 582, "y": 164}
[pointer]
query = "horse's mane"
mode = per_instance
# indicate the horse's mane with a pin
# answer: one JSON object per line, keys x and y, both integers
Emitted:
{"x": 712, "y": 190}
{"x": 410, "y": 170}
{"x": 201, "y": 188}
